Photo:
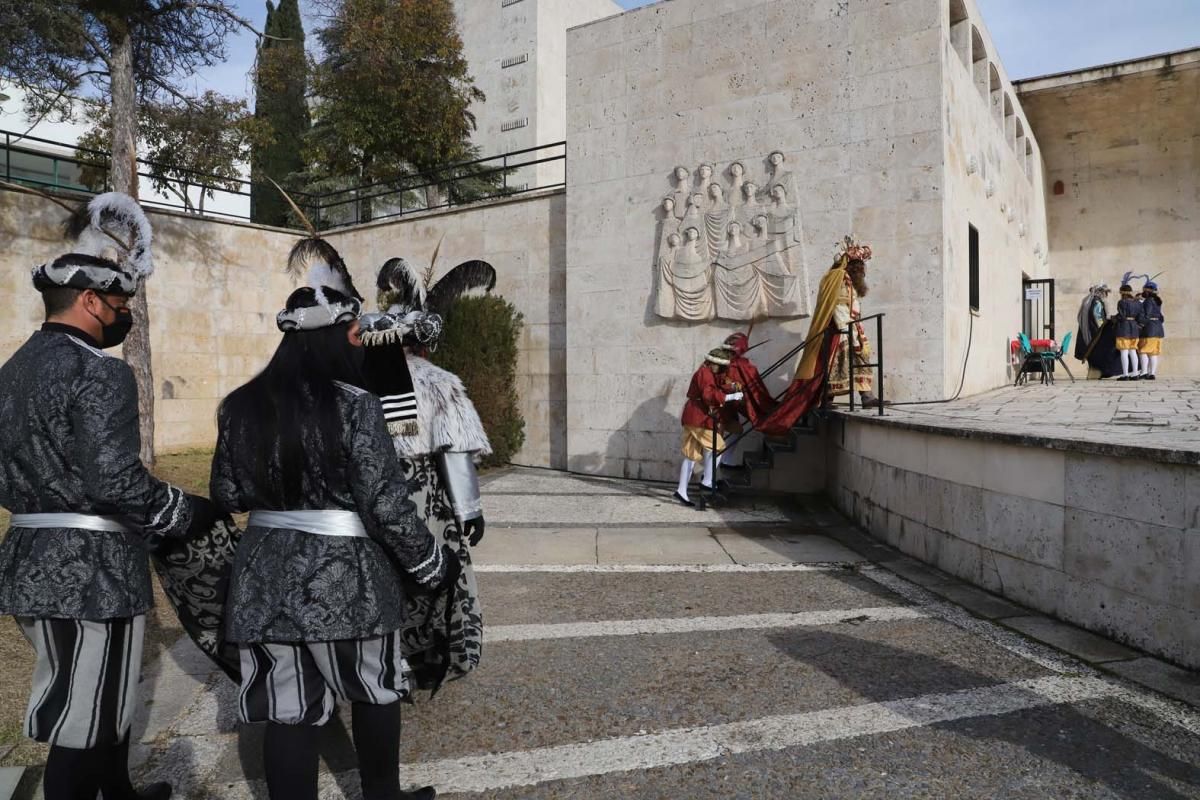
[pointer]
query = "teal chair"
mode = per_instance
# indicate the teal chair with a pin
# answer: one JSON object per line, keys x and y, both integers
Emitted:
{"x": 1050, "y": 356}
{"x": 1029, "y": 359}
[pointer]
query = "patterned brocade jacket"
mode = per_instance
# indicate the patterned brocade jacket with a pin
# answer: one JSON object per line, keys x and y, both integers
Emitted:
{"x": 293, "y": 586}
{"x": 69, "y": 444}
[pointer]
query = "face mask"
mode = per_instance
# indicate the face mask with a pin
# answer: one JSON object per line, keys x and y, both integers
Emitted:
{"x": 115, "y": 332}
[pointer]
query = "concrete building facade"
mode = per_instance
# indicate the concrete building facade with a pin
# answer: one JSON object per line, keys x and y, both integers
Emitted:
{"x": 516, "y": 50}
{"x": 1122, "y": 153}
{"x": 888, "y": 133}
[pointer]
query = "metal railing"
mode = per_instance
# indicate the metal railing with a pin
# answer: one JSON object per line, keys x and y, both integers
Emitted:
{"x": 33, "y": 161}
{"x": 444, "y": 187}
{"x": 788, "y": 357}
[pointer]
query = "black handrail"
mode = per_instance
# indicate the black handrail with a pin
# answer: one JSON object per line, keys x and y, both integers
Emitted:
{"x": 787, "y": 393}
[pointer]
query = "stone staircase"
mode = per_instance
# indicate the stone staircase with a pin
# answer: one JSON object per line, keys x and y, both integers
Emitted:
{"x": 790, "y": 464}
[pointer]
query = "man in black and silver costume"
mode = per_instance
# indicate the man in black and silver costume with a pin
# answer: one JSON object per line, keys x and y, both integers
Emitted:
{"x": 85, "y": 510}
{"x": 333, "y": 548}
{"x": 439, "y": 438}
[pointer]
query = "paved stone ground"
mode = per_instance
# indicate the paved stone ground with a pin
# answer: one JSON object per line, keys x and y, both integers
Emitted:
{"x": 1162, "y": 415}
{"x": 765, "y": 653}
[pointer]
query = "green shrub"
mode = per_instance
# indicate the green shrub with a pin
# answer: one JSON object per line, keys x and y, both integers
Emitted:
{"x": 479, "y": 345}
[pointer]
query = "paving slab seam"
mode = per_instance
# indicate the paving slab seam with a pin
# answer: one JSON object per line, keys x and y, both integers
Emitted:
{"x": 1167, "y": 709}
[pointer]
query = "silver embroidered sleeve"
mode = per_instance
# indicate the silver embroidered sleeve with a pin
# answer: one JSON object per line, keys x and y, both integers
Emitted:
{"x": 462, "y": 484}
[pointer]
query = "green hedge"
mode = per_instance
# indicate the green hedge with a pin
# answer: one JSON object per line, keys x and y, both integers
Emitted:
{"x": 479, "y": 345}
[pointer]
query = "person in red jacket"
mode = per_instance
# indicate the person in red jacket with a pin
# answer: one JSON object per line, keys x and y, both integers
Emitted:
{"x": 705, "y": 401}
{"x": 742, "y": 376}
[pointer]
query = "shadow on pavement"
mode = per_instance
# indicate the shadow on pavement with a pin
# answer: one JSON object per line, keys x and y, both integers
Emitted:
{"x": 1060, "y": 733}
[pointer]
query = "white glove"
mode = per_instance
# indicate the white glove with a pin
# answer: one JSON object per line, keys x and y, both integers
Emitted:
{"x": 733, "y": 398}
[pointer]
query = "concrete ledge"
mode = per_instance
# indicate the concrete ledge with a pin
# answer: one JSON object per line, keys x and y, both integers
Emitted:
{"x": 958, "y": 430}
{"x": 1105, "y": 542}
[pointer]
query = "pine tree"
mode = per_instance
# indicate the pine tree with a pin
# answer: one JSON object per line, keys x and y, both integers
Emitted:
{"x": 393, "y": 92}
{"x": 281, "y": 108}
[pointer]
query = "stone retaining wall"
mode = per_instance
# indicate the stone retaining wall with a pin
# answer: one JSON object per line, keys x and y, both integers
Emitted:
{"x": 1108, "y": 543}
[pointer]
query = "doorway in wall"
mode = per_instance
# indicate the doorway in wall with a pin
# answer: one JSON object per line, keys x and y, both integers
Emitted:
{"x": 1037, "y": 304}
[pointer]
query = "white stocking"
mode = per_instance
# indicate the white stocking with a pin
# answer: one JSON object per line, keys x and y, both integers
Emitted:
{"x": 1153, "y": 365}
{"x": 685, "y": 476}
{"x": 1128, "y": 362}
{"x": 707, "y": 480}
{"x": 1145, "y": 364}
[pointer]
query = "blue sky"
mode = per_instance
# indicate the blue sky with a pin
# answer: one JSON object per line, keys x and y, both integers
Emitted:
{"x": 1038, "y": 37}
{"x": 1034, "y": 37}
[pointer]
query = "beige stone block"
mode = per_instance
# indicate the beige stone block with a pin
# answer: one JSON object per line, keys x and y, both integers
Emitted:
{"x": 1025, "y": 472}
{"x": 956, "y": 460}
{"x": 1128, "y": 489}
{"x": 1138, "y": 558}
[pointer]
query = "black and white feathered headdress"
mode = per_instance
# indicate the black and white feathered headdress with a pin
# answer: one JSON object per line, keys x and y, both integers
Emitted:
{"x": 110, "y": 252}
{"x": 411, "y": 309}
{"x": 332, "y": 298}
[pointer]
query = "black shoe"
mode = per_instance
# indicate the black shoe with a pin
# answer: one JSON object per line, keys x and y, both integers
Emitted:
{"x": 1148, "y": 377}
{"x": 424, "y": 793}
{"x": 1123, "y": 378}
{"x": 684, "y": 500}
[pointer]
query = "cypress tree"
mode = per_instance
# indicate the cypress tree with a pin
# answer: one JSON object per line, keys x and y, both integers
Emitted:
{"x": 281, "y": 83}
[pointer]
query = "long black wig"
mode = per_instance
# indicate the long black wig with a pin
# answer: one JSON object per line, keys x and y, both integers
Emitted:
{"x": 283, "y": 426}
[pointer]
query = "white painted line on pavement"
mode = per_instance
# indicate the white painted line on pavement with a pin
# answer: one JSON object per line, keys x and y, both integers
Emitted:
{"x": 663, "y": 568}
{"x": 635, "y": 627}
{"x": 692, "y": 745}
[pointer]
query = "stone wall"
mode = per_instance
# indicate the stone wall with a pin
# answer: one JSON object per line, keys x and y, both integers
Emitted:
{"x": 1122, "y": 142}
{"x": 993, "y": 181}
{"x": 213, "y": 299}
{"x": 523, "y": 239}
{"x": 850, "y": 93}
{"x": 218, "y": 286}
{"x": 1107, "y": 543}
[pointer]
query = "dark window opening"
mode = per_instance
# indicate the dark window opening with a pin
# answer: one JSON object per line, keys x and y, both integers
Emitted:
{"x": 973, "y": 250}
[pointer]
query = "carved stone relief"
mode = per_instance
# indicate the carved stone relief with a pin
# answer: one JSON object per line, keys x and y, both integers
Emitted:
{"x": 730, "y": 247}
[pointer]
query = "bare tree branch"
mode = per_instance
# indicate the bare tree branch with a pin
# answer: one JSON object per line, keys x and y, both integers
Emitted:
{"x": 220, "y": 9}
{"x": 50, "y": 106}
{"x": 190, "y": 102}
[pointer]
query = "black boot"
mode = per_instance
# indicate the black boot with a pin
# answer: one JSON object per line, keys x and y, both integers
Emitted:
{"x": 290, "y": 761}
{"x": 116, "y": 784}
{"x": 376, "y": 731}
{"x": 73, "y": 774}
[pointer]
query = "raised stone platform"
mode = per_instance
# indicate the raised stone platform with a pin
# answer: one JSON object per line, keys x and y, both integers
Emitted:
{"x": 1158, "y": 420}
{"x": 1081, "y": 500}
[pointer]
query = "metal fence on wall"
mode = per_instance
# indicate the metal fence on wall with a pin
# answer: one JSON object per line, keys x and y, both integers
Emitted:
{"x": 47, "y": 164}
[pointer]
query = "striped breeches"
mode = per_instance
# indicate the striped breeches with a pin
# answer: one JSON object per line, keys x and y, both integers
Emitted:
{"x": 297, "y": 683}
{"x": 85, "y": 679}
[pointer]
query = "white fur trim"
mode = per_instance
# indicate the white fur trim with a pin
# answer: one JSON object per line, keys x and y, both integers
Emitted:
{"x": 446, "y": 418}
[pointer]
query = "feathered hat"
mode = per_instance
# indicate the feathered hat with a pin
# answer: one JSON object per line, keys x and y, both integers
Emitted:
{"x": 849, "y": 250}
{"x": 1147, "y": 281}
{"x": 328, "y": 296}
{"x": 412, "y": 305}
{"x": 110, "y": 251}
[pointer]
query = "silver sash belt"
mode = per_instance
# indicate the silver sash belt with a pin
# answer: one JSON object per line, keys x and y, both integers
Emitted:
{"x": 85, "y": 522}
{"x": 322, "y": 523}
